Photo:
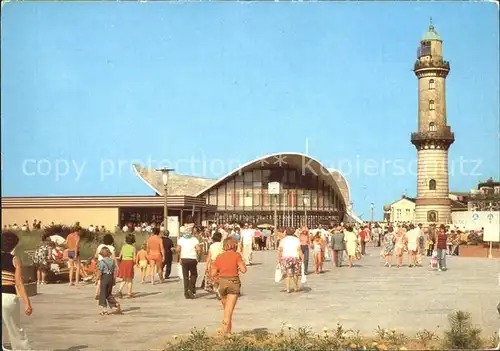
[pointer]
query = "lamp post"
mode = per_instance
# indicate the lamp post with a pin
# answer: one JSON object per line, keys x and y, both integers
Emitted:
{"x": 372, "y": 206}
{"x": 490, "y": 216}
{"x": 164, "y": 178}
{"x": 305, "y": 200}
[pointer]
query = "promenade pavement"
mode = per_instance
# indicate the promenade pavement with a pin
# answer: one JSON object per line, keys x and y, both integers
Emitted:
{"x": 66, "y": 318}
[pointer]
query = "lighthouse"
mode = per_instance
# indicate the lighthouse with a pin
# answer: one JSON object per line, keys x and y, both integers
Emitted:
{"x": 434, "y": 136}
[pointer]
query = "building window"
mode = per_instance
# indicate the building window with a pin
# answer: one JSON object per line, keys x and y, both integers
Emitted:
{"x": 431, "y": 84}
{"x": 398, "y": 214}
{"x": 432, "y": 127}
{"x": 431, "y": 105}
{"x": 432, "y": 184}
{"x": 408, "y": 214}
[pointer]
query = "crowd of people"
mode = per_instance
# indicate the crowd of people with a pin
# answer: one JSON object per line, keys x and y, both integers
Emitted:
{"x": 229, "y": 252}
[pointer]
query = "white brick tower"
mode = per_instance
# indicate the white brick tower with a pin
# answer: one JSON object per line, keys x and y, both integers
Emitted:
{"x": 434, "y": 136}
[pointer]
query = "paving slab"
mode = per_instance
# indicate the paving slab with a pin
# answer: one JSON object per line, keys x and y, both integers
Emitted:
{"x": 66, "y": 318}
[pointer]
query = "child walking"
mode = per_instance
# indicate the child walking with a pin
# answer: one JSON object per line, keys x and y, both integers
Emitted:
{"x": 142, "y": 261}
{"x": 106, "y": 272}
{"x": 318, "y": 259}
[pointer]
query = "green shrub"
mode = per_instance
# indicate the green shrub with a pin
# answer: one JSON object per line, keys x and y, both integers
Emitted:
{"x": 462, "y": 335}
{"x": 31, "y": 240}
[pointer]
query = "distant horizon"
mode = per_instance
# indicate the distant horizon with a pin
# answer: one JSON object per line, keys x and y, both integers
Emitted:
{"x": 87, "y": 89}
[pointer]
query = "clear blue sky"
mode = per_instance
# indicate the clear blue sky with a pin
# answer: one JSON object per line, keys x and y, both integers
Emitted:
{"x": 95, "y": 84}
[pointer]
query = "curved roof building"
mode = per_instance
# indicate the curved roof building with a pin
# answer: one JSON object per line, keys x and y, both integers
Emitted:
{"x": 309, "y": 192}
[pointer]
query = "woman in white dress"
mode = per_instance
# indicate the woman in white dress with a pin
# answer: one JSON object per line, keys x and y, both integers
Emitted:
{"x": 351, "y": 240}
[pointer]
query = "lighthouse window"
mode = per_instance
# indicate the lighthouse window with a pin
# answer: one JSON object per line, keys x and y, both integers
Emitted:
{"x": 432, "y": 127}
{"x": 432, "y": 184}
{"x": 431, "y": 105}
{"x": 431, "y": 84}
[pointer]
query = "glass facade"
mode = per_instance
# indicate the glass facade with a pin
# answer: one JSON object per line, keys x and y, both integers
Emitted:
{"x": 245, "y": 197}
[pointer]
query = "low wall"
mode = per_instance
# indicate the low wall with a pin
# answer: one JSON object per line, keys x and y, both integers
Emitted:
{"x": 107, "y": 216}
{"x": 478, "y": 251}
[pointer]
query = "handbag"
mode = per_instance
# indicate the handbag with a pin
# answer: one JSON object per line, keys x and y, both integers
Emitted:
{"x": 278, "y": 274}
{"x": 303, "y": 278}
{"x": 179, "y": 271}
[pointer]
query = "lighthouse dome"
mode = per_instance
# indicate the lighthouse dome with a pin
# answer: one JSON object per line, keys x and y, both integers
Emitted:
{"x": 431, "y": 34}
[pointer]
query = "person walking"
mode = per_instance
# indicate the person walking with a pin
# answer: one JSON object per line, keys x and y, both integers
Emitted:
{"x": 188, "y": 248}
{"x": 126, "y": 266}
{"x": 290, "y": 259}
{"x": 400, "y": 246}
{"x": 351, "y": 241}
{"x": 363, "y": 235}
{"x": 156, "y": 254}
{"x": 376, "y": 233}
{"x": 168, "y": 246}
{"x": 225, "y": 270}
{"x": 412, "y": 242}
{"x": 389, "y": 244}
{"x": 106, "y": 272}
{"x": 247, "y": 243}
{"x": 338, "y": 246}
{"x": 215, "y": 250}
{"x": 441, "y": 246}
{"x": 305, "y": 243}
{"x": 73, "y": 244}
{"x": 12, "y": 286}
{"x": 107, "y": 241}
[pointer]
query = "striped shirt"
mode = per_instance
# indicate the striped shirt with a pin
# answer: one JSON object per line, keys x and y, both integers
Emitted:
{"x": 441, "y": 241}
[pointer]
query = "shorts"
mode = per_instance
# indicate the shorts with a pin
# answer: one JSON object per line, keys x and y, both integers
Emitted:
{"x": 229, "y": 285}
{"x": 72, "y": 255}
{"x": 143, "y": 264}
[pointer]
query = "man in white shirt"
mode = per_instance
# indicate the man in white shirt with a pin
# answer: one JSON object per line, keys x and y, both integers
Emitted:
{"x": 247, "y": 242}
{"x": 91, "y": 228}
{"x": 188, "y": 248}
{"x": 125, "y": 228}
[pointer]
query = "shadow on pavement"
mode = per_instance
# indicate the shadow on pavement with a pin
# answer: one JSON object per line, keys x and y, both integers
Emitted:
{"x": 143, "y": 294}
{"x": 74, "y": 348}
{"x": 130, "y": 309}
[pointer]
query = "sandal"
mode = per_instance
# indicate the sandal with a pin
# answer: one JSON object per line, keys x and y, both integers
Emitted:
{"x": 119, "y": 295}
{"x": 103, "y": 313}
{"x": 97, "y": 297}
{"x": 130, "y": 296}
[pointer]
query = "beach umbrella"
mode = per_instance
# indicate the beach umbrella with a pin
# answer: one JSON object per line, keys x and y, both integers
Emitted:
{"x": 59, "y": 240}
